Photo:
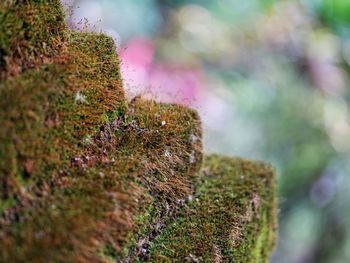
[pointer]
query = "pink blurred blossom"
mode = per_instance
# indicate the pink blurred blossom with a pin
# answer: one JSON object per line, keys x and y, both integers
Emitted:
{"x": 173, "y": 83}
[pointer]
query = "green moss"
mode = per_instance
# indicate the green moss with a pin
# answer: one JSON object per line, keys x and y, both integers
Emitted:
{"x": 164, "y": 177}
{"x": 31, "y": 33}
{"x": 233, "y": 205}
{"x": 259, "y": 252}
{"x": 40, "y": 108}
{"x": 6, "y": 204}
{"x": 139, "y": 134}
{"x": 109, "y": 253}
{"x": 87, "y": 177}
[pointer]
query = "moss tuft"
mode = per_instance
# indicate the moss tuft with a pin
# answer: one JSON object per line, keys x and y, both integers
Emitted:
{"x": 32, "y": 33}
{"x": 231, "y": 217}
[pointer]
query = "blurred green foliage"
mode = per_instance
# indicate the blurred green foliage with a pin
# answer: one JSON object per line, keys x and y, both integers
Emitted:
{"x": 336, "y": 12}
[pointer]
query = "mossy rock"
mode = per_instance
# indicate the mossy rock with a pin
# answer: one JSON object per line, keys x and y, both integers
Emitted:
{"x": 86, "y": 176}
{"x": 230, "y": 218}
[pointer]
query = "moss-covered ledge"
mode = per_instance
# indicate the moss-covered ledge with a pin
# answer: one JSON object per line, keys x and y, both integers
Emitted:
{"x": 86, "y": 176}
{"x": 230, "y": 218}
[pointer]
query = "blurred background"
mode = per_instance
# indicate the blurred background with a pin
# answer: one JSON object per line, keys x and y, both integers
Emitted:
{"x": 271, "y": 80}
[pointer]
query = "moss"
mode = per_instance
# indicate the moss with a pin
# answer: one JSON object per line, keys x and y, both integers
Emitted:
{"x": 135, "y": 141}
{"x": 259, "y": 251}
{"x": 86, "y": 176}
{"x": 32, "y": 33}
{"x": 233, "y": 205}
{"x": 40, "y": 108}
{"x": 165, "y": 178}
{"x": 6, "y": 203}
